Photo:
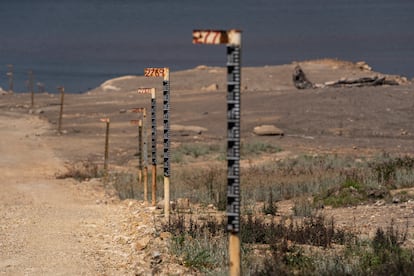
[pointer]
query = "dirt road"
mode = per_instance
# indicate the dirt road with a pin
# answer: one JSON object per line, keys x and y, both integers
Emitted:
{"x": 45, "y": 227}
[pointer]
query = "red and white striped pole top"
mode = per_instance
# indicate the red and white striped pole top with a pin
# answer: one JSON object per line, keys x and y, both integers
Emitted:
{"x": 230, "y": 37}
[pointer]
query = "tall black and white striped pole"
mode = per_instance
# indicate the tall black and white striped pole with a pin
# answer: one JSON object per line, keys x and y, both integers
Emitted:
{"x": 166, "y": 119}
{"x": 233, "y": 40}
{"x": 165, "y": 73}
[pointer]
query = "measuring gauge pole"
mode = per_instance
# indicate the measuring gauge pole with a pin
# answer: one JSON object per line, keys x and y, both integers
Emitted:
{"x": 142, "y": 166}
{"x": 232, "y": 39}
{"x": 153, "y": 141}
{"x": 165, "y": 73}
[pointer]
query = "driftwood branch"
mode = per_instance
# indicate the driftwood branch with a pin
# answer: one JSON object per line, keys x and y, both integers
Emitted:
{"x": 301, "y": 81}
{"x": 360, "y": 82}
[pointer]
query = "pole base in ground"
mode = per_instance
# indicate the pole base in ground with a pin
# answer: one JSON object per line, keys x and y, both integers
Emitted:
{"x": 167, "y": 198}
{"x": 234, "y": 251}
{"x": 154, "y": 186}
{"x": 146, "y": 184}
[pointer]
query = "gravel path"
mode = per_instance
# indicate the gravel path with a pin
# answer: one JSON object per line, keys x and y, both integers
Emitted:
{"x": 62, "y": 227}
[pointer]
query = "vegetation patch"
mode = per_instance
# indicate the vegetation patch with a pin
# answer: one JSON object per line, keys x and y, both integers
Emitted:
{"x": 309, "y": 247}
{"x": 81, "y": 171}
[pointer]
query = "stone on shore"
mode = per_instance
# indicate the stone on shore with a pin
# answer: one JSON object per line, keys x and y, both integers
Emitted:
{"x": 268, "y": 130}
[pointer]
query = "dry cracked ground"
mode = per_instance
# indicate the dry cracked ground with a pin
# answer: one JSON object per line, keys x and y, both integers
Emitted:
{"x": 51, "y": 226}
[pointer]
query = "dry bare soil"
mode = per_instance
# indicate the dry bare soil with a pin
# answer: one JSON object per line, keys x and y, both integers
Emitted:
{"x": 50, "y": 226}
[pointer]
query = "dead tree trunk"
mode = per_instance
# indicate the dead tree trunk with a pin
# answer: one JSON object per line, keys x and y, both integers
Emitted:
{"x": 300, "y": 80}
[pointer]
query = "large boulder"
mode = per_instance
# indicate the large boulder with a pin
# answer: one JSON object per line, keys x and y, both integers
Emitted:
{"x": 187, "y": 129}
{"x": 268, "y": 130}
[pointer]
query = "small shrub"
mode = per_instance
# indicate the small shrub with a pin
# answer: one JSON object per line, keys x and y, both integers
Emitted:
{"x": 203, "y": 185}
{"x": 202, "y": 246}
{"x": 194, "y": 150}
{"x": 81, "y": 171}
{"x": 303, "y": 207}
{"x": 345, "y": 195}
{"x": 254, "y": 230}
{"x": 284, "y": 260}
{"x": 387, "y": 256}
{"x": 314, "y": 230}
{"x": 391, "y": 239}
{"x": 271, "y": 207}
{"x": 256, "y": 148}
{"x": 126, "y": 185}
{"x": 386, "y": 169}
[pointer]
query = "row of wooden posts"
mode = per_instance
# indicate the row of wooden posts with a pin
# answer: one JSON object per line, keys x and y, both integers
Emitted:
{"x": 143, "y": 170}
{"x": 233, "y": 40}
{"x": 142, "y": 146}
{"x": 29, "y": 82}
{"x": 142, "y": 143}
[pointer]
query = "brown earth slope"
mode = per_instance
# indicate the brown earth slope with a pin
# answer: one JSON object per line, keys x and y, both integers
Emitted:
{"x": 45, "y": 222}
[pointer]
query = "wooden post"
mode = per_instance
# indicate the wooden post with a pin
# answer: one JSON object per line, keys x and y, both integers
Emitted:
{"x": 10, "y": 76}
{"x": 62, "y": 96}
{"x": 234, "y": 256}
{"x": 31, "y": 91}
{"x": 233, "y": 40}
{"x": 154, "y": 185}
{"x": 153, "y": 143}
{"x": 106, "y": 120}
{"x": 143, "y": 169}
{"x": 165, "y": 73}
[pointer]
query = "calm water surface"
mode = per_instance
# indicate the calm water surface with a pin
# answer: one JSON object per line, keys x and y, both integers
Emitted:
{"x": 81, "y": 43}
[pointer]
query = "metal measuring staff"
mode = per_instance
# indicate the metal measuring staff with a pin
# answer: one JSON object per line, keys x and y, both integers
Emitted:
{"x": 62, "y": 97}
{"x": 233, "y": 40}
{"x": 153, "y": 141}
{"x": 143, "y": 167}
{"x": 106, "y": 120}
{"x": 165, "y": 73}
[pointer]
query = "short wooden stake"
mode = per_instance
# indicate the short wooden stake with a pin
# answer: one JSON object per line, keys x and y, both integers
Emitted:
{"x": 62, "y": 97}
{"x": 234, "y": 252}
{"x": 106, "y": 154}
{"x": 10, "y": 76}
{"x": 31, "y": 91}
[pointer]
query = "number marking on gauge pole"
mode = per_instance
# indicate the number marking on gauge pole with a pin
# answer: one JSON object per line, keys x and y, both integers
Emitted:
{"x": 233, "y": 40}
